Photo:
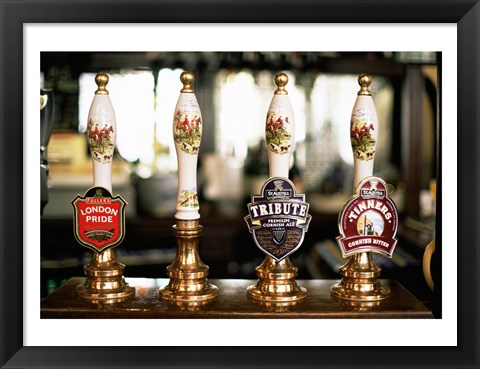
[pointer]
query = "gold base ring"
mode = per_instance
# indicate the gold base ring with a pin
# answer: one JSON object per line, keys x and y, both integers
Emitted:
{"x": 109, "y": 297}
{"x": 292, "y": 294}
{"x": 376, "y": 294}
{"x": 206, "y": 294}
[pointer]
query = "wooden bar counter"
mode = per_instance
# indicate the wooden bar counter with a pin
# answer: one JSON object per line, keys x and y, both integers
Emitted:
{"x": 232, "y": 303}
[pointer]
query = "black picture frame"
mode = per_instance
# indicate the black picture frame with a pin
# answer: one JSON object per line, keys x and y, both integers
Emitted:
{"x": 14, "y": 14}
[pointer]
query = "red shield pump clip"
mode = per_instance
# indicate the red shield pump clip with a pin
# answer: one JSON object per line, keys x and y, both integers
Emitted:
{"x": 99, "y": 219}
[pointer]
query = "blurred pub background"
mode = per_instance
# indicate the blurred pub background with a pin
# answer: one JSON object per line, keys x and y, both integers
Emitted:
{"x": 234, "y": 90}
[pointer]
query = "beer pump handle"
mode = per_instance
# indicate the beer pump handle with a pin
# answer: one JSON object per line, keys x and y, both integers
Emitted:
{"x": 187, "y": 134}
{"x": 360, "y": 275}
{"x": 280, "y": 129}
{"x": 46, "y": 116}
{"x": 364, "y": 129}
{"x": 46, "y": 122}
{"x": 101, "y": 133}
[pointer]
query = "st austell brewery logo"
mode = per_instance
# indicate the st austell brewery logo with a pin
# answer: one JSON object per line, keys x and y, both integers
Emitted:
{"x": 369, "y": 220}
{"x": 278, "y": 218}
{"x": 99, "y": 219}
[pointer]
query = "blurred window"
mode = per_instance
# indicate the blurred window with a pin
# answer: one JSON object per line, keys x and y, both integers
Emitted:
{"x": 241, "y": 103}
{"x": 241, "y": 99}
{"x": 322, "y": 120}
{"x": 132, "y": 96}
{"x": 168, "y": 90}
{"x": 327, "y": 148}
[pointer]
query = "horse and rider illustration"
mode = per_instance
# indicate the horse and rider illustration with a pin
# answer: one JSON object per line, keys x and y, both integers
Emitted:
{"x": 277, "y": 135}
{"x": 99, "y": 139}
{"x": 362, "y": 139}
{"x": 188, "y": 130}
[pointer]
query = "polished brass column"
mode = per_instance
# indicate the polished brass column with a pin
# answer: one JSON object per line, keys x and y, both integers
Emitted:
{"x": 276, "y": 282}
{"x": 188, "y": 274}
{"x": 105, "y": 281}
{"x": 360, "y": 281}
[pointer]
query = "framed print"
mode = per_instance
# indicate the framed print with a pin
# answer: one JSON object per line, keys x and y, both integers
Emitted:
{"x": 28, "y": 341}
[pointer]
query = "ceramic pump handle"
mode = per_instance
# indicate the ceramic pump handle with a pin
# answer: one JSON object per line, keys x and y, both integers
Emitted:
{"x": 101, "y": 133}
{"x": 187, "y": 134}
{"x": 363, "y": 131}
{"x": 280, "y": 129}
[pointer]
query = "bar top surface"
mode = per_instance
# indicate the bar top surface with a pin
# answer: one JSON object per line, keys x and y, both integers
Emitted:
{"x": 232, "y": 302}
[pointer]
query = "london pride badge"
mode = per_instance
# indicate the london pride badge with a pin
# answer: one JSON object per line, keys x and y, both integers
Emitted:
{"x": 278, "y": 218}
{"x": 99, "y": 219}
{"x": 369, "y": 220}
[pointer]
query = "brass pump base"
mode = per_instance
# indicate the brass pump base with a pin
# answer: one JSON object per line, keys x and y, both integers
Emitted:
{"x": 360, "y": 280}
{"x": 105, "y": 282}
{"x": 276, "y": 282}
{"x": 188, "y": 274}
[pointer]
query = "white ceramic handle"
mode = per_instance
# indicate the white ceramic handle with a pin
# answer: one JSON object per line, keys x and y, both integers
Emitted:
{"x": 280, "y": 130}
{"x": 187, "y": 134}
{"x": 101, "y": 134}
{"x": 363, "y": 131}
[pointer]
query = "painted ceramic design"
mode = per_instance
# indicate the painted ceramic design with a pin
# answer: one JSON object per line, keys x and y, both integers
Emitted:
{"x": 100, "y": 141}
{"x": 363, "y": 142}
{"x": 277, "y": 133}
{"x": 188, "y": 199}
{"x": 187, "y": 127}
